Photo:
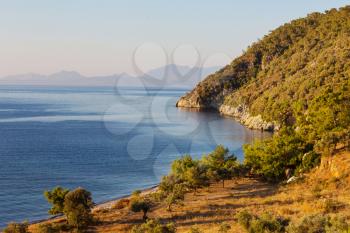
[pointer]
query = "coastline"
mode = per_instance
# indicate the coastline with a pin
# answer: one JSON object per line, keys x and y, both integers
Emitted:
{"x": 100, "y": 206}
{"x": 110, "y": 203}
{"x": 240, "y": 114}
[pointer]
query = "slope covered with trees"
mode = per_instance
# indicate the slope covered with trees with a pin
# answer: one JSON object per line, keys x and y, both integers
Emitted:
{"x": 297, "y": 78}
{"x": 299, "y": 61}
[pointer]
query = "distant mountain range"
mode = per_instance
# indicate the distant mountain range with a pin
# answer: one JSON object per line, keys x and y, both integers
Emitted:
{"x": 170, "y": 75}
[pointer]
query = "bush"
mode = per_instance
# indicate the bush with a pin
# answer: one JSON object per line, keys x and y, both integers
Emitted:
{"x": 16, "y": 228}
{"x": 121, "y": 204}
{"x": 194, "y": 230}
{"x": 319, "y": 224}
{"x": 77, "y": 208}
{"x": 266, "y": 223}
{"x": 136, "y": 193}
{"x": 337, "y": 225}
{"x": 47, "y": 228}
{"x": 271, "y": 158}
{"x": 56, "y": 198}
{"x": 310, "y": 160}
{"x": 224, "y": 228}
{"x": 244, "y": 218}
{"x": 310, "y": 224}
{"x": 153, "y": 226}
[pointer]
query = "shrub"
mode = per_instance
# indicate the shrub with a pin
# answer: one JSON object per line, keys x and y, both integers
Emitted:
{"x": 265, "y": 223}
{"x": 310, "y": 160}
{"x": 53, "y": 228}
{"x": 16, "y": 228}
{"x": 121, "y": 204}
{"x": 271, "y": 158}
{"x": 153, "y": 226}
{"x": 311, "y": 224}
{"x": 47, "y": 228}
{"x": 136, "y": 193}
{"x": 77, "y": 208}
{"x": 194, "y": 230}
{"x": 224, "y": 228}
{"x": 319, "y": 224}
{"x": 244, "y": 218}
{"x": 56, "y": 198}
{"x": 337, "y": 225}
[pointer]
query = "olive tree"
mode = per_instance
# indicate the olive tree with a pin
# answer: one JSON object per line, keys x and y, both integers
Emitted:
{"x": 139, "y": 204}
{"x": 77, "y": 207}
{"x": 56, "y": 198}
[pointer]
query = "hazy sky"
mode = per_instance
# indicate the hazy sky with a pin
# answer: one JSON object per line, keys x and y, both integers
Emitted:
{"x": 97, "y": 37}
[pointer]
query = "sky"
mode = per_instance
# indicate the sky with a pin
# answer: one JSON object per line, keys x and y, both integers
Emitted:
{"x": 102, "y": 37}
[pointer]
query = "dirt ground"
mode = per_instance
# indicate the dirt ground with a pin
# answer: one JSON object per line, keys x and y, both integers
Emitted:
{"x": 325, "y": 190}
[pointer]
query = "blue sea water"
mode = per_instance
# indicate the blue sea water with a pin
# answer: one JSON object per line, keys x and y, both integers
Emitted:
{"x": 108, "y": 141}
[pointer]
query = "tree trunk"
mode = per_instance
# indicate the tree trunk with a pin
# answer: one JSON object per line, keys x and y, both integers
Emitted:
{"x": 144, "y": 217}
{"x": 223, "y": 183}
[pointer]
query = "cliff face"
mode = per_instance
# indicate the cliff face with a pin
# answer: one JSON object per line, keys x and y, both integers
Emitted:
{"x": 295, "y": 64}
{"x": 242, "y": 115}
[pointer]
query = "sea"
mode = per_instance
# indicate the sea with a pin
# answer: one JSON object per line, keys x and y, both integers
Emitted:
{"x": 107, "y": 140}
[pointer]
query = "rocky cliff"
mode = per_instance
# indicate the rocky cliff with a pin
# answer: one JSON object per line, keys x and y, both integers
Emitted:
{"x": 278, "y": 78}
{"x": 242, "y": 115}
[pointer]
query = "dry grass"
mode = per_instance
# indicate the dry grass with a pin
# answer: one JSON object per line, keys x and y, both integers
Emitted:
{"x": 325, "y": 190}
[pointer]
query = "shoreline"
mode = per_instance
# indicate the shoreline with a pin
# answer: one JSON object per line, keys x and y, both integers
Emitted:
{"x": 109, "y": 204}
{"x": 101, "y": 205}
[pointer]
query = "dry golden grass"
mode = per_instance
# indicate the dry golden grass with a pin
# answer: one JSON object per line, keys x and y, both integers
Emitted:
{"x": 325, "y": 190}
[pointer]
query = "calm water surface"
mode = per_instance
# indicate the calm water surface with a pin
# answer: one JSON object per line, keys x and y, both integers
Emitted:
{"x": 106, "y": 141}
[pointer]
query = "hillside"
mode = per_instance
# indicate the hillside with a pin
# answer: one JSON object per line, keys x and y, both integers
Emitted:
{"x": 323, "y": 192}
{"x": 290, "y": 69}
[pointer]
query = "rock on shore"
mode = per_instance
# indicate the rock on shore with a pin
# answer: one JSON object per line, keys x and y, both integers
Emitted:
{"x": 240, "y": 113}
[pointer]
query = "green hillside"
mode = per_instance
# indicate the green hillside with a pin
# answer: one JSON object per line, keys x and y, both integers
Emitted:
{"x": 296, "y": 77}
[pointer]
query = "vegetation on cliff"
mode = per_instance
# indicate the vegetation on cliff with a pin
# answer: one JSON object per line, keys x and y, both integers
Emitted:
{"x": 297, "y": 76}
